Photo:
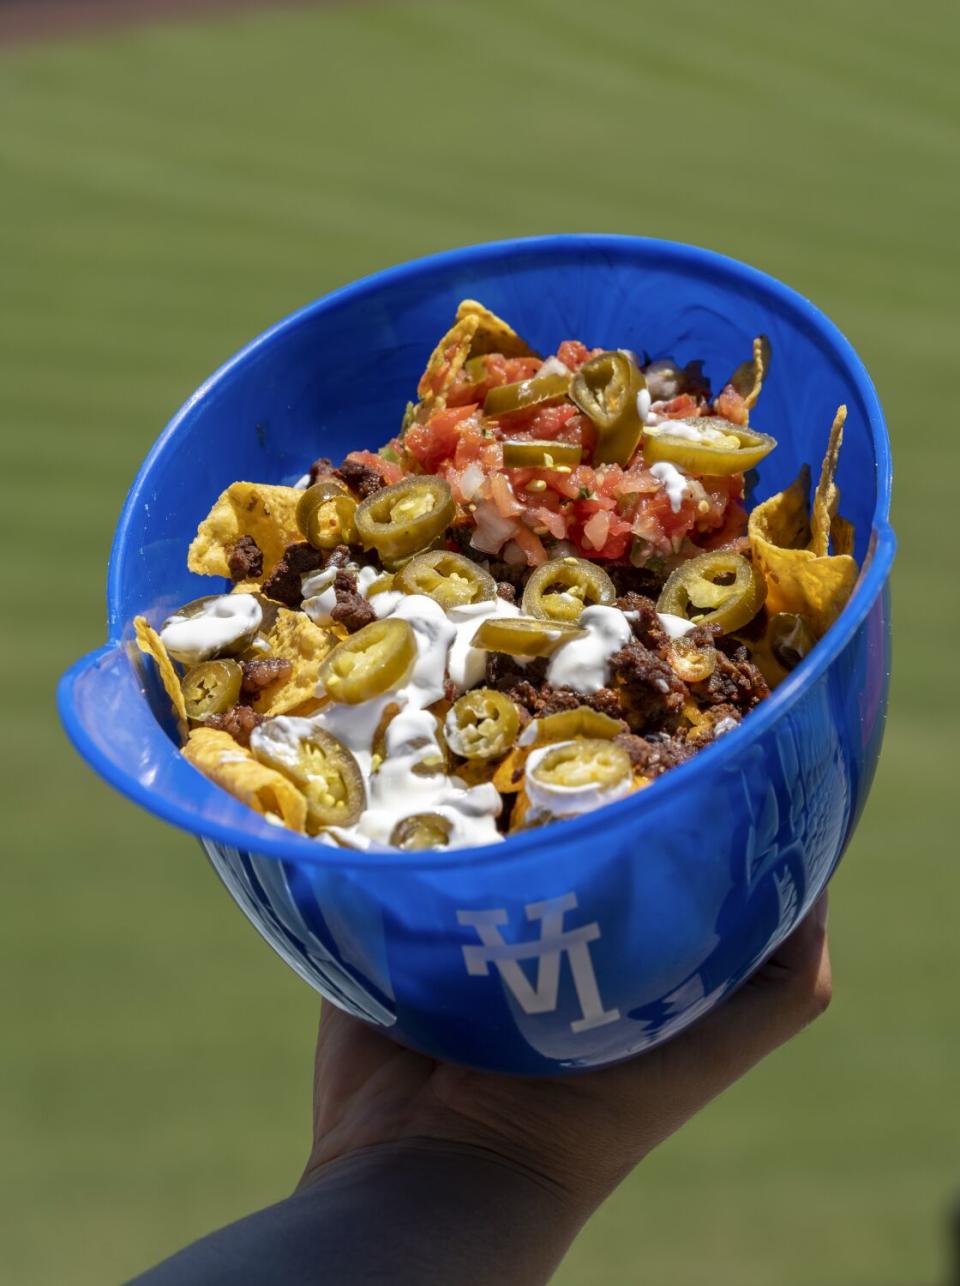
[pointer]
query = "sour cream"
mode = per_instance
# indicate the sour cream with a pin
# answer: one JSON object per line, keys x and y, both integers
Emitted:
{"x": 674, "y": 482}
{"x": 583, "y": 663}
{"x": 320, "y": 598}
{"x": 567, "y": 801}
{"x": 675, "y": 626}
{"x": 467, "y": 666}
{"x": 707, "y": 434}
{"x": 219, "y": 623}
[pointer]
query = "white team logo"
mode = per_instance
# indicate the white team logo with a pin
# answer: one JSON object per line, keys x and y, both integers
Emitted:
{"x": 547, "y": 950}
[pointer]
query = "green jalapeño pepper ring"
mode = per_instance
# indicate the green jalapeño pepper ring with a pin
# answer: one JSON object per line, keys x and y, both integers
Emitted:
{"x": 374, "y": 660}
{"x": 401, "y": 520}
{"x": 717, "y": 588}
{"x": 525, "y": 394}
{"x": 605, "y": 389}
{"x": 326, "y": 515}
{"x": 523, "y": 635}
{"x": 482, "y": 724}
{"x": 706, "y": 445}
{"x": 560, "y": 589}
{"x": 327, "y": 775}
{"x": 212, "y": 687}
{"x": 450, "y": 579}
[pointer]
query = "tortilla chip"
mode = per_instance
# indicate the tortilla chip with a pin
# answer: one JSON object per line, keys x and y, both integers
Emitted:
{"x": 508, "y": 777}
{"x": 445, "y": 363}
{"x": 826, "y": 498}
{"x": 793, "y": 554}
{"x": 263, "y": 789}
{"x": 521, "y": 808}
{"x": 842, "y": 535}
{"x": 268, "y": 514}
{"x": 748, "y": 378}
{"x": 149, "y": 642}
{"x": 493, "y": 334}
{"x": 296, "y": 639}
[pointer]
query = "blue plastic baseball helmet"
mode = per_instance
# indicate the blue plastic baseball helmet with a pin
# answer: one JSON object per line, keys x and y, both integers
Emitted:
{"x": 585, "y": 942}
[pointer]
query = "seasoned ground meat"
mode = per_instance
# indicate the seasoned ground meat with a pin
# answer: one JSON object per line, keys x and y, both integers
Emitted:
{"x": 646, "y": 628}
{"x": 513, "y": 574}
{"x": 259, "y": 674}
{"x": 506, "y": 591}
{"x": 652, "y": 694}
{"x": 283, "y": 584}
{"x": 245, "y": 559}
{"x": 654, "y": 754}
{"x": 504, "y": 672}
{"x": 239, "y": 721}
{"x": 719, "y": 719}
{"x": 734, "y": 682}
{"x": 628, "y": 579}
{"x": 360, "y": 478}
{"x": 322, "y": 468}
{"x": 352, "y": 609}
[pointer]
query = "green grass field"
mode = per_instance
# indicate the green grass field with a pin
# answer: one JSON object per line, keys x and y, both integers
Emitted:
{"x": 164, "y": 195}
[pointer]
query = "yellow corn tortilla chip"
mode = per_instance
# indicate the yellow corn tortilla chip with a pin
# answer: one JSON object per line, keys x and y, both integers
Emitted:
{"x": 827, "y": 495}
{"x": 748, "y": 378}
{"x": 801, "y": 575}
{"x": 149, "y": 642}
{"x": 263, "y": 789}
{"x": 841, "y": 535}
{"x": 267, "y": 513}
{"x": 508, "y": 777}
{"x": 296, "y": 639}
{"x": 493, "y": 335}
{"x": 446, "y": 361}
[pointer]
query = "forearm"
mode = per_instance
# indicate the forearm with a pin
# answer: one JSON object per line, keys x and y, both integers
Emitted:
{"x": 410, "y": 1214}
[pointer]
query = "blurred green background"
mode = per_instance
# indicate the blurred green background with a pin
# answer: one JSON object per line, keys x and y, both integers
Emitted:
{"x": 167, "y": 192}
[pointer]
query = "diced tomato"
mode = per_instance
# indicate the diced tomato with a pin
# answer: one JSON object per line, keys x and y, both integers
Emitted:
{"x": 731, "y": 406}
{"x": 501, "y": 493}
{"x": 497, "y": 370}
{"x": 531, "y": 544}
{"x": 573, "y": 354}
{"x": 596, "y": 529}
{"x": 554, "y": 522}
{"x": 678, "y": 408}
{"x": 387, "y": 470}
{"x": 437, "y": 439}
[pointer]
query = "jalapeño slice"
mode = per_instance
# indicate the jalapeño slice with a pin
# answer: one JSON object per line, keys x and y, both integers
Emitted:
{"x": 717, "y": 588}
{"x": 482, "y": 724}
{"x": 212, "y": 687}
{"x": 401, "y": 520}
{"x": 451, "y": 579}
{"x": 560, "y": 589}
{"x": 605, "y": 389}
{"x": 706, "y": 445}
{"x": 523, "y": 635}
{"x": 374, "y": 660}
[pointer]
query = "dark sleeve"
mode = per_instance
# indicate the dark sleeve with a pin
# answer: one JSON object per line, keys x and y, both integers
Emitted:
{"x": 420, "y": 1213}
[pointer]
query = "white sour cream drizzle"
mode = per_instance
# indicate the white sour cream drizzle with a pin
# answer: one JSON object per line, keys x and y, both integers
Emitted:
{"x": 467, "y": 665}
{"x": 675, "y": 626}
{"x": 319, "y": 596}
{"x": 583, "y": 663}
{"x": 687, "y": 432}
{"x": 567, "y": 801}
{"x": 403, "y": 782}
{"x": 220, "y": 623}
{"x": 674, "y": 482}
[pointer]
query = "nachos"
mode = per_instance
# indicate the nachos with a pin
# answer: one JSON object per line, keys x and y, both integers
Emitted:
{"x": 540, "y": 595}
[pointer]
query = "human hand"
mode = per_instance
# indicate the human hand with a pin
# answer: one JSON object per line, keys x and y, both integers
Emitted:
{"x": 578, "y": 1135}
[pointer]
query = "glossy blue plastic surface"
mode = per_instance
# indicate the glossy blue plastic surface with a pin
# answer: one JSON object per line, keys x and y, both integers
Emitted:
{"x": 586, "y": 942}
